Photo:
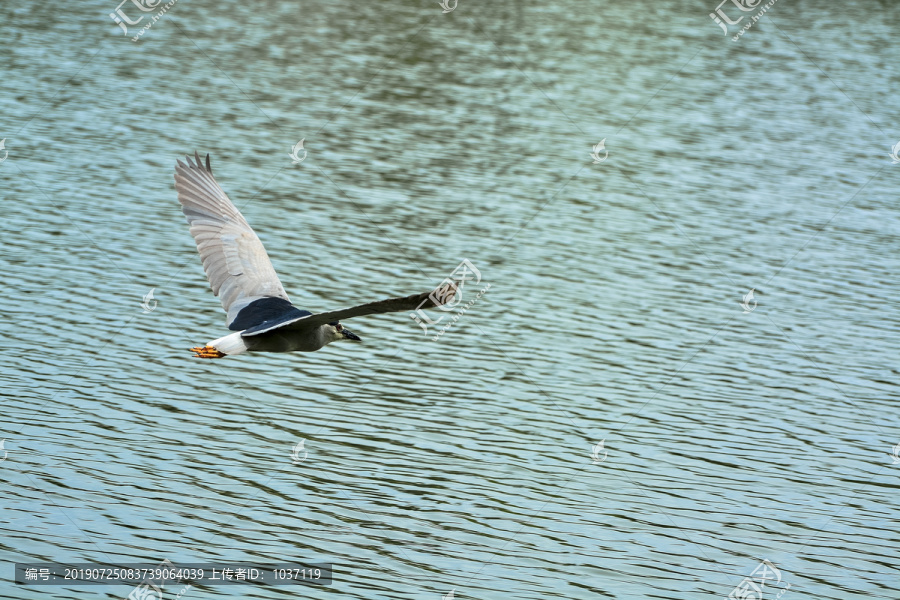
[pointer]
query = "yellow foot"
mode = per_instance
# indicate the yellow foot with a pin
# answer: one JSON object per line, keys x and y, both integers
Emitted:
{"x": 207, "y": 352}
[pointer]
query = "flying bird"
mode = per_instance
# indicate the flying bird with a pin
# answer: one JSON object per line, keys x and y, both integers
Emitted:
{"x": 240, "y": 273}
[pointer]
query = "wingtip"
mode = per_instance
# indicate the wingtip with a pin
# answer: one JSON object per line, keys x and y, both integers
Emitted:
{"x": 195, "y": 163}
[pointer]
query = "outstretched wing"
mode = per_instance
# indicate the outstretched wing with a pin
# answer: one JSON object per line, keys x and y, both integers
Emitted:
{"x": 311, "y": 321}
{"x": 235, "y": 261}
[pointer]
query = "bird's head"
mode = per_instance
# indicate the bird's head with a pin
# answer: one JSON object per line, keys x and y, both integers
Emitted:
{"x": 339, "y": 332}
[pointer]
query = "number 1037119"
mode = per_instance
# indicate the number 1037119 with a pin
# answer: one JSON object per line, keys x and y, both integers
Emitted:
{"x": 297, "y": 573}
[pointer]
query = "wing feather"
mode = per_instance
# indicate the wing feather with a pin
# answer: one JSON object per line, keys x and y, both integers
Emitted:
{"x": 413, "y": 302}
{"x": 234, "y": 258}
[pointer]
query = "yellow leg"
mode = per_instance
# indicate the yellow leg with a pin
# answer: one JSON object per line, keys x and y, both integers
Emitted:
{"x": 207, "y": 352}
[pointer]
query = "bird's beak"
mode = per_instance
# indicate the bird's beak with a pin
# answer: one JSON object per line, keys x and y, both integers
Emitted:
{"x": 349, "y": 335}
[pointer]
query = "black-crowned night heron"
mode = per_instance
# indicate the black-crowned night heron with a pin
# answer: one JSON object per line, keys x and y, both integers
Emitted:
{"x": 241, "y": 275}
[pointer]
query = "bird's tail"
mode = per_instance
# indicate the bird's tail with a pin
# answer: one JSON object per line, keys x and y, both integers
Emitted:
{"x": 230, "y": 344}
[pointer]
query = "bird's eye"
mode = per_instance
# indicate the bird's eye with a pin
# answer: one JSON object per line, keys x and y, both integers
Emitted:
{"x": 339, "y": 327}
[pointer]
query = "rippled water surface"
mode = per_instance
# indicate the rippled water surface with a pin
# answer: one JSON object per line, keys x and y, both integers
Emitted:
{"x": 614, "y": 313}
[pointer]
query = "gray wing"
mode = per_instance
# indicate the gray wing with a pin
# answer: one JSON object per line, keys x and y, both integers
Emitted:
{"x": 235, "y": 261}
{"x": 416, "y": 301}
